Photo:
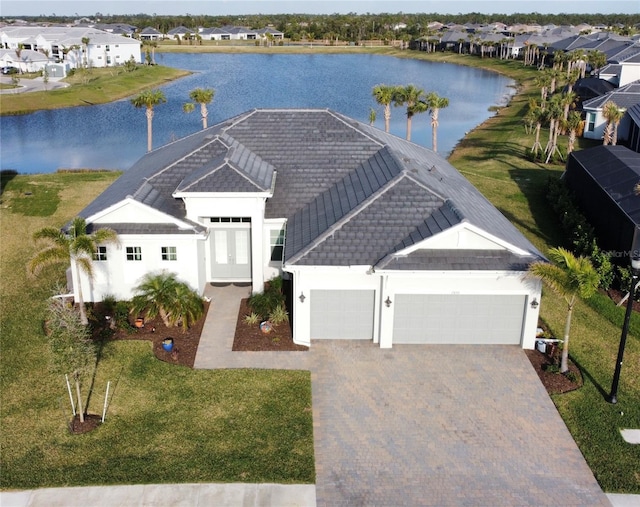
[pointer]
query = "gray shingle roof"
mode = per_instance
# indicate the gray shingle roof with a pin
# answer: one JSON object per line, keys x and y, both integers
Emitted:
{"x": 465, "y": 260}
{"x": 625, "y": 97}
{"x": 351, "y": 194}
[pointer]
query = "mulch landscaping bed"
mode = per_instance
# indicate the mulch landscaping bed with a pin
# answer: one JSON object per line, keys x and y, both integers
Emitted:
{"x": 554, "y": 381}
{"x": 251, "y": 338}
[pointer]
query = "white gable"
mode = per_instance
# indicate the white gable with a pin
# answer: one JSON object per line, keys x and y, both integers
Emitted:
{"x": 131, "y": 211}
{"x": 463, "y": 236}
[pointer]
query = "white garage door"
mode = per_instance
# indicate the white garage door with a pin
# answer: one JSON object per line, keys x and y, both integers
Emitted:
{"x": 342, "y": 314}
{"x": 460, "y": 318}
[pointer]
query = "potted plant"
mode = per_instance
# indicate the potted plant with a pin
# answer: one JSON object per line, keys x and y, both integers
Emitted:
{"x": 167, "y": 344}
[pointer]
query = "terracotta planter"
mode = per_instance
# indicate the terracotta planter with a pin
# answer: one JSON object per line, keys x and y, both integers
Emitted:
{"x": 139, "y": 323}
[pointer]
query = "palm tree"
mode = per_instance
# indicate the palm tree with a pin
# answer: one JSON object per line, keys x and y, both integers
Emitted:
{"x": 435, "y": 103}
{"x": 535, "y": 116}
{"x": 85, "y": 43}
{"x": 149, "y": 99}
{"x": 413, "y": 97}
{"x": 75, "y": 247}
{"x": 372, "y": 116}
{"x": 162, "y": 294}
{"x": 574, "y": 124}
{"x": 202, "y": 96}
{"x": 571, "y": 277}
{"x": 553, "y": 113}
{"x": 613, "y": 115}
{"x": 384, "y": 95}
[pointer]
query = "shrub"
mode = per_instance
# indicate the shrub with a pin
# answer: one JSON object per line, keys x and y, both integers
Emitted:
{"x": 252, "y": 319}
{"x": 264, "y": 303}
{"x": 279, "y": 315}
{"x": 580, "y": 233}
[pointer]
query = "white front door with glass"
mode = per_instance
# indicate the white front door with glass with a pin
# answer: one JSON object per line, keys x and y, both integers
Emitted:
{"x": 231, "y": 253}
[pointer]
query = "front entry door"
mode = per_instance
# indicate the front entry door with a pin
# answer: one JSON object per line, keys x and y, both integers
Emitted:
{"x": 231, "y": 259}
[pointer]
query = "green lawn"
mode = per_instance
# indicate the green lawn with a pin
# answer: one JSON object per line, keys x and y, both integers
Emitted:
{"x": 165, "y": 424}
{"x": 92, "y": 86}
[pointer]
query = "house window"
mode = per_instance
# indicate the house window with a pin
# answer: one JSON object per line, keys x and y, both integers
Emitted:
{"x": 591, "y": 122}
{"x": 134, "y": 253}
{"x": 276, "y": 244}
{"x": 169, "y": 253}
{"x": 100, "y": 254}
{"x": 230, "y": 220}
{"x": 106, "y": 48}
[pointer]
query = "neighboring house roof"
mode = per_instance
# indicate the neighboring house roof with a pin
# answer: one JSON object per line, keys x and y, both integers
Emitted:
{"x": 149, "y": 30}
{"x": 617, "y": 170}
{"x": 352, "y": 194}
{"x": 624, "y": 97}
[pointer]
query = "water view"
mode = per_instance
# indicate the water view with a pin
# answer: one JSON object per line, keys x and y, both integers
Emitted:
{"x": 113, "y": 136}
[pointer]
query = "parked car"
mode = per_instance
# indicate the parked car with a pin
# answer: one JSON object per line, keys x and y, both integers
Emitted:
{"x": 10, "y": 70}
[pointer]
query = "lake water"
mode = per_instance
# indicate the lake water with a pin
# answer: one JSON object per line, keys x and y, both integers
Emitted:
{"x": 113, "y": 136}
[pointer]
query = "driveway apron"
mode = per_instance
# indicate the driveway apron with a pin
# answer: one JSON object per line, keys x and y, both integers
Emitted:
{"x": 440, "y": 425}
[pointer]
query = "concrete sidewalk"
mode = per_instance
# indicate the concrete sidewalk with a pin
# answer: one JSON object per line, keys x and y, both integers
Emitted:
{"x": 166, "y": 495}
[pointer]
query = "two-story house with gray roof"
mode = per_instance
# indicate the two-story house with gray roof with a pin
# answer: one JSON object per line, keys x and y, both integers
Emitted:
{"x": 381, "y": 239}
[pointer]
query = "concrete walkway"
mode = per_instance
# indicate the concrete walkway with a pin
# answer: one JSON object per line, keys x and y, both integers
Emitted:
{"x": 412, "y": 425}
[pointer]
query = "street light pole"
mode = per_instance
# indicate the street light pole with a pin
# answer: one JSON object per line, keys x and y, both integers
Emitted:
{"x": 635, "y": 267}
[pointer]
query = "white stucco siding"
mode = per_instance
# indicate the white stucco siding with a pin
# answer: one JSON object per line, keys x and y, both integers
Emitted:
{"x": 132, "y": 212}
{"x": 630, "y": 72}
{"x": 117, "y": 276}
{"x": 201, "y": 208}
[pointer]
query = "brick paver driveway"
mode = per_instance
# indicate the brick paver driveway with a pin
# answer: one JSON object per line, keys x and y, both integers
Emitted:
{"x": 440, "y": 425}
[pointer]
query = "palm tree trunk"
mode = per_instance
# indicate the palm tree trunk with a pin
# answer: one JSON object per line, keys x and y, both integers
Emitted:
{"x": 564, "y": 364}
{"x": 408, "y": 128}
{"x": 164, "y": 317}
{"x": 387, "y": 117}
{"x": 149, "y": 129}
{"x": 83, "y": 312}
{"x": 204, "y": 113}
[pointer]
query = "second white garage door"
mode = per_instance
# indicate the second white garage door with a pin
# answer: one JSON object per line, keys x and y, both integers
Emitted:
{"x": 459, "y": 319}
{"x": 342, "y": 314}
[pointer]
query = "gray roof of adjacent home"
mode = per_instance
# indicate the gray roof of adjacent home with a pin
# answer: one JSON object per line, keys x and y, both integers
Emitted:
{"x": 351, "y": 194}
{"x": 625, "y": 97}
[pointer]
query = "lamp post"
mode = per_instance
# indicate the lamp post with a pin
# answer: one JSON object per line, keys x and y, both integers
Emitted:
{"x": 635, "y": 269}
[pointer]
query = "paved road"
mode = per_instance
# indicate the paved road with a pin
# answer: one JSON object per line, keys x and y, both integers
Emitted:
{"x": 31, "y": 85}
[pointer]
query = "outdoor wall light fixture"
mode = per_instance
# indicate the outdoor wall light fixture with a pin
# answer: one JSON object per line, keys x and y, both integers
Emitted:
{"x": 302, "y": 297}
{"x": 387, "y": 301}
{"x": 534, "y": 303}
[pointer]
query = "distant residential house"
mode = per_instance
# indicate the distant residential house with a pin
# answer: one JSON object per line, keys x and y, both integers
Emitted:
{"x": 377, "y": 238}
{"x": 623, "y": 65}
{"x": 603, "y": 179}
{"x": 215, "y": 34}
{"x": 150, "y": 33}
{"x": 180, "y": 32}
{"x": 66, "y": 45}
{"x": 624, "y": 97}
{"x": 28, "y": 60}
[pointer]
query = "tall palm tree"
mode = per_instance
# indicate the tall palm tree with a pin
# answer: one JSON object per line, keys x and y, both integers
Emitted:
{"x": 202, "y": 96}
{"x": 613, "y": 114}
{"x": 75, "y": 247}
{"x": 435, "y": 103}
{"x": 571, "y": 277}
{"x": 553, "y": 113}
{"x": 535, "y": 116}
{"x": 149, "y": 99}
{"x": 85, "y": 43}
{"x": 413, "y": 97}
{"x": 574, "y": 124}
{"x": 384, "y": 95}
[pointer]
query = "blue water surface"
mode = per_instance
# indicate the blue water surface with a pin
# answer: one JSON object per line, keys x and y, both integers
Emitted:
{"x": 113, "y": 136}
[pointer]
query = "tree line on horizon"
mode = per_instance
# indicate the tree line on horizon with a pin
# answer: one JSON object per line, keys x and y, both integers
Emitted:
{"x": 351, "y": 26}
